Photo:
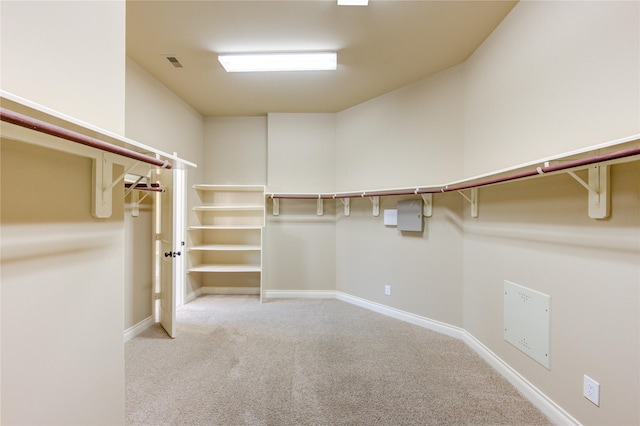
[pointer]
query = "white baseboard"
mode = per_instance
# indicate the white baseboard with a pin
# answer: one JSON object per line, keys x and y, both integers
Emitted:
{"x": 545, "y": 404}
{"x": 552, "y": 410}
{"x": 133, "y": 331}
{"x": 190, "y": 297}
{"x": 300, "y": 294}
{"x": 230, "y": 290}
{"x": 424, "y": 322}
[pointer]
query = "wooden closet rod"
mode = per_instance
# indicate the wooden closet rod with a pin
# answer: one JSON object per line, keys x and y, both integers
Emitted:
{"x": 60, "y": 132}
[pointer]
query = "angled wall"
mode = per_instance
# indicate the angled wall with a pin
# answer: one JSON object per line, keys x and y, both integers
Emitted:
{"x": 554, "y": 77}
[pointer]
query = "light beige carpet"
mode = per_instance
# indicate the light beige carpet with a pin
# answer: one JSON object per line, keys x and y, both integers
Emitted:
{"x": 310, "y": 362}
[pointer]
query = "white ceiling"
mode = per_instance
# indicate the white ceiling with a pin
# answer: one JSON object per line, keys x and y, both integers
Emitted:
{"x": 381, "y": 47}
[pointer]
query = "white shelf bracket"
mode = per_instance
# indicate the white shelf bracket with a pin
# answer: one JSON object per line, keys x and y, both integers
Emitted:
{"x": 103, "y": 184}
{"x": 427, "y": 209}
{"x": 133, "y": 186}
{"x": 598, "y": 187}
{"x": 136, "y": 200}
{"x": 102, "y": 172}
{"x": 119, "y": 178}
{"x": 473, "y": 200}
{"x": 376, "y": 205}
{"x": 276, "y": 206}
{"x": 346, "y": 202}
{"x": 320, "y": 206}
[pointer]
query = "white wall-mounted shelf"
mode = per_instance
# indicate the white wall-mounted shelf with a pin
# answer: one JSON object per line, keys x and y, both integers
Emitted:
{"x": 595, "y": 159}
{"x": 226, "y": 268}
{"x": 201, "y": 227}
{"x": 227, "y": 208}
{"x": 229, "y": 188}
{"x": 226, "y": 247}
{"x": 228, "y": 238}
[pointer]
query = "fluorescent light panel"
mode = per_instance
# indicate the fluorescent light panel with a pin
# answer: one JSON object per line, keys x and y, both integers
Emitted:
{"x": 353, "y": 2}
{"x": 256, "y": 62}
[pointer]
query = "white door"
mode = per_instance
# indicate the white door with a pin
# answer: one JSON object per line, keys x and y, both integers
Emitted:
{"x": 170, "y": 231}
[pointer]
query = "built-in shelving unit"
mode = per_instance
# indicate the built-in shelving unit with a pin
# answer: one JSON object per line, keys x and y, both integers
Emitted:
{"x": 225, "y": 246}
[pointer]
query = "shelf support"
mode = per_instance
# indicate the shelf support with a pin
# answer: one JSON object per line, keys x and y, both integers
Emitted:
{"x": 135, "y": 201}
{"x": 598, "y": 188}
{"x": 319, "y": 206}
{"x": 473, "y": 200}
{"x": 133, "y": 186}
{"x": 102, "y": 172}
{"x": 276, "y": 206}
{"x": 376, "y": 205}
{"x": 427, "y": 209}
{"x": 346, "y": 202}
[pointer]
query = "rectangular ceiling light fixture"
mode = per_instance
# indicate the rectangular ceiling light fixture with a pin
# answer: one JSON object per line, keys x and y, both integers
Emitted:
{"x": 353, "y": 2}
{"x": 257, "y": 62}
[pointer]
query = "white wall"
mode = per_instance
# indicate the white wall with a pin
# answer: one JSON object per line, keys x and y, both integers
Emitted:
{"x": 304, "y": 146}
{"x": 57, "y": 54}
{"x": 235, "y": 150}
{"x": 553, "y": 77}
{"x": 62, "y": 270}
{"x": 138, "y": 263}
{"x": 300, "y": 246}
{"x": 410, "y": 136}
{"x": 157, "y": 117}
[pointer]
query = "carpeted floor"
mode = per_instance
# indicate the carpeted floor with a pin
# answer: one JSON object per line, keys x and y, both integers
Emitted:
{"x": 310, "y": 362}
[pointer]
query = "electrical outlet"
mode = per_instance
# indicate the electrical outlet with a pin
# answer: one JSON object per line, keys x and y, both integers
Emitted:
{"x": 591, "y": 390}
{"x": 387, "y": 290}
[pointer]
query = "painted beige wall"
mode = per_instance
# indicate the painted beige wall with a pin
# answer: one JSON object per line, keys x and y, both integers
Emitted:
{"x": 62, "y": 297}
{"x": 557, "y": 76}
{"x": 62, "y": 301}
{"x": 138, "y": 262}
{"x": 408, "y": 137}
{"x": 537, "y": 234}
{"x": 411, "y": 136}
{"x": 157, "y": 117}
{"x": 423, "y": 269}
{"x": 553, "y": 77}
{"x": 304, "y": 146}
{"x": 57, "y": 54}
{"x": 235, "y": 150}
{"x": 300, "y": 246}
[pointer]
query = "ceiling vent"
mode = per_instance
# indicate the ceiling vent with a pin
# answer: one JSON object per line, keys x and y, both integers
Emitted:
{"x": 174, "y": 61}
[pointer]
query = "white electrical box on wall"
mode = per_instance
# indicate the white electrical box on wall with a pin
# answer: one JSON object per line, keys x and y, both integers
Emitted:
{"x": 391, "y": 217}
{"x": 527, "y": 324}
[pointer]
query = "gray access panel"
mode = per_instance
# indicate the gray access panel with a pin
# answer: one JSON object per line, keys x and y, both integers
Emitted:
{"x": 410, "y": 215}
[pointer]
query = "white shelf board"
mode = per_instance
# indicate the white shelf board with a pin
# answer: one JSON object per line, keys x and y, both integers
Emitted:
{"x": 232, "y": 188}
{"x": 226, "y": 247}
{"x": 225, "y": 268}
{"x": 228, "y": 208}
{"x": 224, "y": 227}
